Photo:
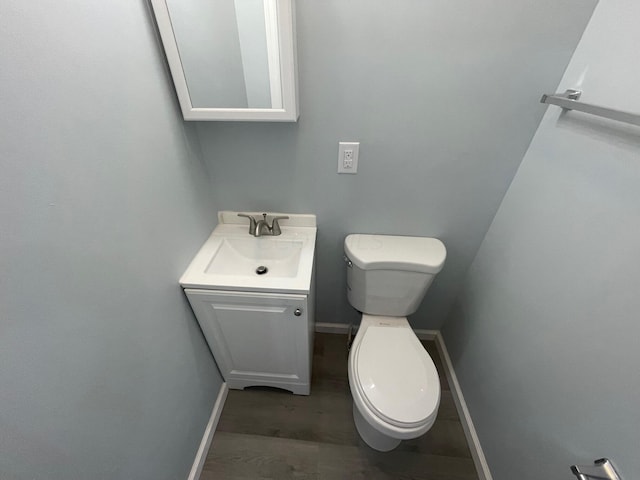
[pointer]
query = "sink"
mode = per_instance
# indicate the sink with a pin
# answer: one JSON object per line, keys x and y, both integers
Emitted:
{"x": 232, "y": 259}
{"x": 248, "y": 256}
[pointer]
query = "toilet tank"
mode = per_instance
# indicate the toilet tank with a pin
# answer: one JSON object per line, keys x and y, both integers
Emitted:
{"x": 388, "y": 274}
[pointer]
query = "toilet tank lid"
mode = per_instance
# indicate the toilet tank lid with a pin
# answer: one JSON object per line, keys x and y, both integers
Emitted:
{"x": 391, "y": 252}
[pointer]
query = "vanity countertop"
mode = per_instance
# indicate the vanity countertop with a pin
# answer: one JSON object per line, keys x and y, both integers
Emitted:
{"x": 231, "y": 258}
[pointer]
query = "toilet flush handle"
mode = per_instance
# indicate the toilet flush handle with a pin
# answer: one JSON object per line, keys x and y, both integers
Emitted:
{"x": 347, "y": 261}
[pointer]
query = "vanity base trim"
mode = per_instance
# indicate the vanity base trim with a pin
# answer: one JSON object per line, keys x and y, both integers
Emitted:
{"x": 295, "y": 388}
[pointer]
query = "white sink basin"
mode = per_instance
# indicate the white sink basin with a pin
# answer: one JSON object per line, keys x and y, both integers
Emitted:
{"x": 249, "y": 256}
{"x": 232, "y": 259}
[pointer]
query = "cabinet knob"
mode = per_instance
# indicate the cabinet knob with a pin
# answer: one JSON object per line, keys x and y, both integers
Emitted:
{"x": 297, "y": 312}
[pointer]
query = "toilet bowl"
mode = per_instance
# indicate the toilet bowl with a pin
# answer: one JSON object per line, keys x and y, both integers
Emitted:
{"x": 393, "y": 381}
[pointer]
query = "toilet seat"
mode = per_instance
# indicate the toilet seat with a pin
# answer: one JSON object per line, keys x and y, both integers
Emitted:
{"x": 396, "y": 377}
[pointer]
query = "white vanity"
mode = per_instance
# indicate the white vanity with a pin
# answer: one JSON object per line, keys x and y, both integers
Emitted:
{"x": 254, "y": 299}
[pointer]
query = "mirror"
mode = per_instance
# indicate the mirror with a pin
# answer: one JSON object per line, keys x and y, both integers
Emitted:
{"x": 231, "y": 59}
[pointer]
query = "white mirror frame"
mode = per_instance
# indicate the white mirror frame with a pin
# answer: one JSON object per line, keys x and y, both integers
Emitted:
{"x": 288, "y": 71}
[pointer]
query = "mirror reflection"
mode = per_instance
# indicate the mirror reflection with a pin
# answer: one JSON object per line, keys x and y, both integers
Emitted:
{"x": 229, "y": 52}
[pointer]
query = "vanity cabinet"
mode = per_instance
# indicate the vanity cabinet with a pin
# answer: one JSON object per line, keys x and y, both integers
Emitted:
{"x": 254, "y": 300}
{"x": 258, "y": 338}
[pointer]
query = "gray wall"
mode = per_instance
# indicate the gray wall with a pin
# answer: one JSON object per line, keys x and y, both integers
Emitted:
{"x": 443, "y": 97}
{"x": 545, "y": 336}
{"x": 104, "y": 373}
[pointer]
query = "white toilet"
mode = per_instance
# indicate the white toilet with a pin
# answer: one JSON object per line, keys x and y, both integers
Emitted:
{"x": 394, "y": 383}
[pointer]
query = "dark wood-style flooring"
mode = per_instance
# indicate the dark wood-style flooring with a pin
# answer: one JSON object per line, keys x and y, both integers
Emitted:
{"x": 268, "y": 433}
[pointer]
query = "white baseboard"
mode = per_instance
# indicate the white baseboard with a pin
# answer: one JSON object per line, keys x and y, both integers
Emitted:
{"x": 477, "y": 454}
{"x": 342, "y": 328}
{"x": 426, "y": 334}
{"x": 198, "y": 463}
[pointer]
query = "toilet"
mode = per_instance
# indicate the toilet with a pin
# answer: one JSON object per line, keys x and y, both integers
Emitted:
{"x": 394, "y": 382}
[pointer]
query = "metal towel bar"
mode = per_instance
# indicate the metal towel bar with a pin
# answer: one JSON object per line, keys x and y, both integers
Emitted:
{"x": 602, "y": 469}
{"x": 569, "y": 101}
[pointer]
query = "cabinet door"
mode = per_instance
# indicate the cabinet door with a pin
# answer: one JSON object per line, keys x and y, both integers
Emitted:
{"x": 256, "y": 338}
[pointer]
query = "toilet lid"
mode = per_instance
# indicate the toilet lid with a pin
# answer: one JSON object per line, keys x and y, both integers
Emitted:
{"x": 396, "y": 376}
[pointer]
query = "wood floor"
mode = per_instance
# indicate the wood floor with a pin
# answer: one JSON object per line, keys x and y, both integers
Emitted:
{"x": 268, "y": 433}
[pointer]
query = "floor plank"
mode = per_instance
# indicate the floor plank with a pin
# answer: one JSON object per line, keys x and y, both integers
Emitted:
{"x": 320, "y": 417}
{"x": 238, "y": 457}
{"x": 268, "y": 433}
{"x": 363, "y": 463}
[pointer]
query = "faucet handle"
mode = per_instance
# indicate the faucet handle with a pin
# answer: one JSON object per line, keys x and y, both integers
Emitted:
{"x": 252, "y": 223}
{"x": 275, "y": 225}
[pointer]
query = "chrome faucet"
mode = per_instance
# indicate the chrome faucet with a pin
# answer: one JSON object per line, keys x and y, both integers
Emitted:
{"x": 601, "y": 469}
{"x": 252, "y": 223}
{"x": 261, "y": 227}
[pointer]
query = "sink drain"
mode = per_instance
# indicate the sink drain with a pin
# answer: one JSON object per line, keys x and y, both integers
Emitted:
{"x": 261, "y": 270}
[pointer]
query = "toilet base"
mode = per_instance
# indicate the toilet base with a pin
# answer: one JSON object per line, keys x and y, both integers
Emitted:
{"x": 371, "y": 436}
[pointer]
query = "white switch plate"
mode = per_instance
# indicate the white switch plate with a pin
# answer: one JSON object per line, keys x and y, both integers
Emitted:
{"x": 348, "y": 157}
